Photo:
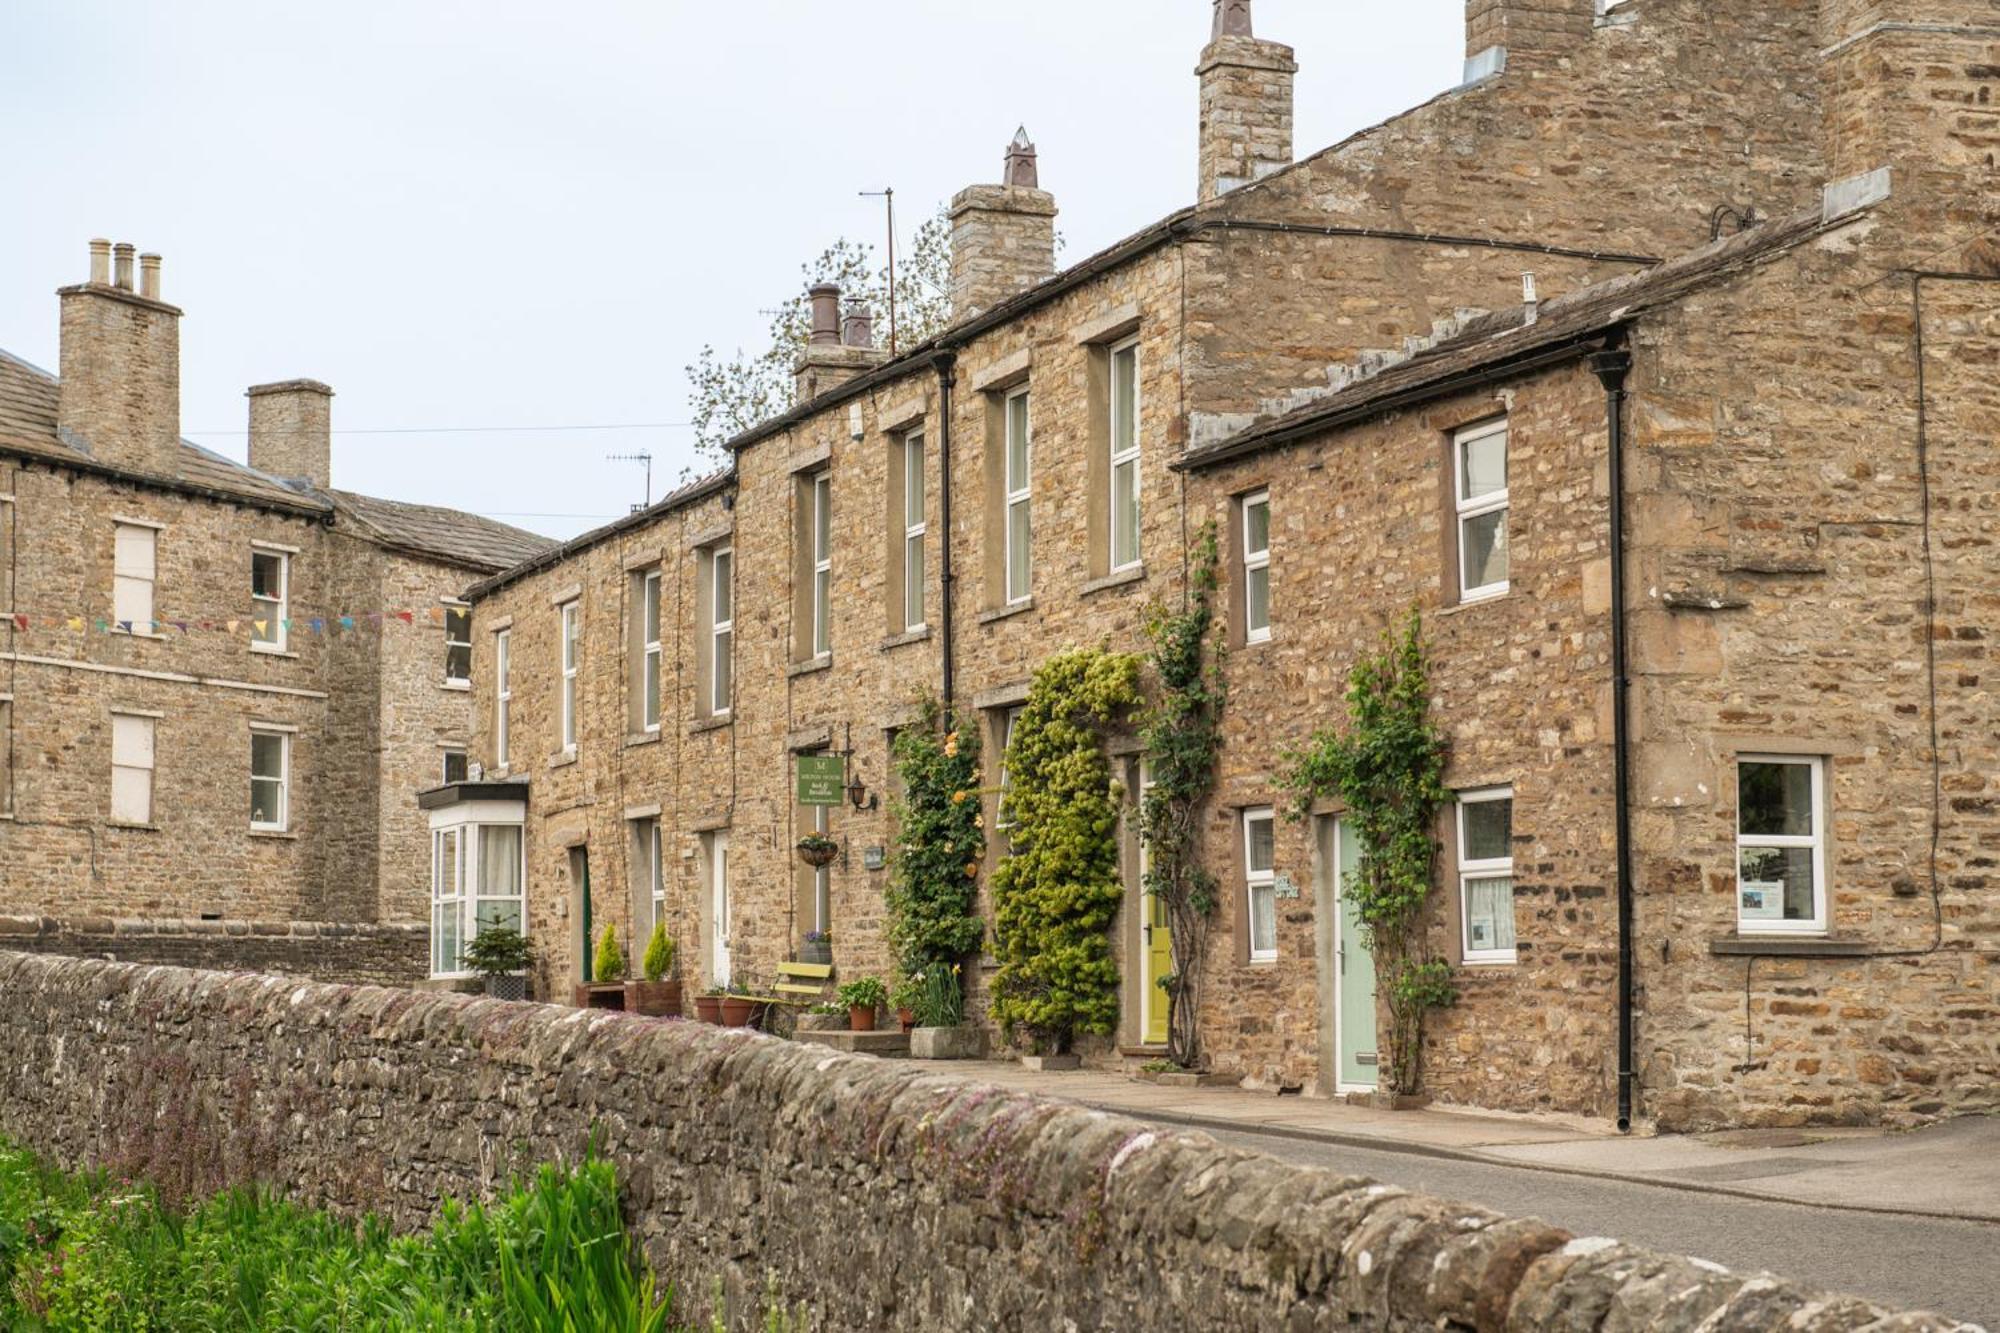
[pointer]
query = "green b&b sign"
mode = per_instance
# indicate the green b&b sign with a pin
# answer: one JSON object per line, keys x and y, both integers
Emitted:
{"x": 822, "y": 779}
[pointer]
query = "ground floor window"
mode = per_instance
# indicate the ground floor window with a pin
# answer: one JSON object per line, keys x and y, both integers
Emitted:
{"x": 478, "y": 874}
{"x": 1486, "y": 874}
{"x": 1780, "y": 843}
{"x": 1261, "y": 878}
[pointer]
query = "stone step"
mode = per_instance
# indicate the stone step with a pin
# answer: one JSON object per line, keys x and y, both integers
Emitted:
{"x": 884, "y": 1043}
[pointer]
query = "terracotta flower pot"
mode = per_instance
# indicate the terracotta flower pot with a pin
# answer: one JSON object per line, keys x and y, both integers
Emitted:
{"x": 708, "y": 1008}
{"x": 738, "y": 1010}
{"x": 656, "y": 999}
{"x": 860, "y": 1018}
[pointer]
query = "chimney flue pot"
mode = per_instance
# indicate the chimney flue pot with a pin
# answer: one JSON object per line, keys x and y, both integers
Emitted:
{"x": 149, "y": 277}
{"x": 825, "y": 315}
{"x": 100, "y": 263}
{"x": 121, "y": 272}
{"x": 857, "y": 328}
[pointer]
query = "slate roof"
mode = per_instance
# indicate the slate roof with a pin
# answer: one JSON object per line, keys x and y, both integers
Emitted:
{"x": 28, "y": 428}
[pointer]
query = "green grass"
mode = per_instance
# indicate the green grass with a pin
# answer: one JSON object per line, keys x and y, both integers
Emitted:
{"x": 85, "y": 1252}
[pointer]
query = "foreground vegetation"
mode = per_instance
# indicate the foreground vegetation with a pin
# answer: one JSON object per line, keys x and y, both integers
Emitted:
{"x": 87, "y": 1252}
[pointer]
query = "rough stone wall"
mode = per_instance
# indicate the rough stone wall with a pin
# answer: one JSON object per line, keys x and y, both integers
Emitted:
{"x": 316, "y": 950}
{"x": 744, "y": 1156}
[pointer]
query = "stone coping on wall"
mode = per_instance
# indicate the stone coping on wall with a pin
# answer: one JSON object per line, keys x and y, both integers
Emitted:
{"x": 877, "y": 1194}
{"x": 47, "y": 926}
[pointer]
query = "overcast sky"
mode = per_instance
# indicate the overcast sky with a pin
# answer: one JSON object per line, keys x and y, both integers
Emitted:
{"x": 534, "y": 214}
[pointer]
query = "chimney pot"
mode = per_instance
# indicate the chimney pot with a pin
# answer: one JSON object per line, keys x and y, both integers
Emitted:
{"x": 825, "y": 315}
{"x": 149, "y": 277}
{"x": 1232, "y": 19}
{"x": 122, "y": 267}
{"x": 857, "y": 329}
{"x": 1020, "y": 169}
{"x": 1003, "y": 237}
{"x": 100, "y": 262}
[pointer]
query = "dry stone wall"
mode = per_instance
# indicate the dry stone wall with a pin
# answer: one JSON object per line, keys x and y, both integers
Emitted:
{"x": 317, "y": 950}
{"x": 879, "y": 1196}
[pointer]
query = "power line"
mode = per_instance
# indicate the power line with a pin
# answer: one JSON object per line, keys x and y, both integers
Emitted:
{"x": 477, "y": 430}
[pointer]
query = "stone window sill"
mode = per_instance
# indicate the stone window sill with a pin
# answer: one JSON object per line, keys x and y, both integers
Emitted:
{"x": 134, "y": 828}
{"x": 1000, "y": 613}
{"x": 642, "y": 738}
{"x": 282, "y": 835}
{"x": 906, "y": 638}
{"x": 710, "y": 724}
{"x": 824, "y": 662}
{"x": 1783, "y": 946}
{"x": 138, "y": 634}
{"x": 1473, "y": 603}
{"x": 1136, "y": 574}
{"x": 455, "y": 685}
{"x": 563, "y": 760}
{"x": 259, "y": 650}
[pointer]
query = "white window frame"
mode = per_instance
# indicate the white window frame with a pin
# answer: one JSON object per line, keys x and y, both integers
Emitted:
{"x": 283, "y": 780}
{"x": 465, "y": 609}
{"x": 721, "y": 631}
{"x": 1122, "y": 458}
{"x": 132, "y": 589}
{"x": 569, "y": 628}
{"x": 1017, "y": 492}
{"x": 275, "y": 611}
{"x": 131, "y": 763}
{"x": 503, "y": 694}
{"x": 915, "y": 528}
{"x": 444, "y": 763}
{"x": 1254, "y": 562}
{"x": 461, "y": 830}
{"x": 656, "y": 870}
{"x": 1472, "y": 872}
{"x": 1009, "y": 717}
{"x": 651, "y": 663}
{"x": 821, "y": 537}
{"x": 1255, "y": 880}
{"x": 1482, "y": 505}
{"x": 1816, "y": 764}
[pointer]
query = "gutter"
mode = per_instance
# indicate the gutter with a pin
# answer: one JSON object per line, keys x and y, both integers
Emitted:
{"x": 583, "y": 542}
{"x": 91, "y": 467}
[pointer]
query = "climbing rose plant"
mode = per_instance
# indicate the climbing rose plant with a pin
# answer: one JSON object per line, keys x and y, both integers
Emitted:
{"x": 1387, "y": 770}
{"x": 934, "y": 918}
{"x": 1058, "y": 891}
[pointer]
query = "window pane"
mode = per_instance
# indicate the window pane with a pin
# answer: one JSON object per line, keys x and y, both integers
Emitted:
{"x": 502, "y": 662}
{"x": 1489, "y": 830}
{"x": 822, "y": 592}
{"x": 1484, "y": 548}
{"x": 652, "y": 688}
{"x": 1489, "y": 913}
{"x": 132, "y": 552}
{"x": 454, "y": 766}
{"x": 1017, "y": 442}
{"x": 267, "y": 801}
{"x": 652, "y": 608}
{"x": 913, "y": 582}
{"x": 132, "y": 602}
{"x": 1018, "y": 550}
{"x": 267, "y": 755}
{"x": 264, "y": 627}
{"x": 267, "y": 576}
{"x": 132, "y": 795}
{"x": 1257, "y": 598}
{"x": 499, "y": 860}
{"x": 822, "y": 518}
{"x": 725, "y": 588}
{"x": 913, "y": 481}
{"x": 1775, "y": 799}
{"x": 1125, "y": 513}
{"x": 1124, "y": 398}
{"x": 1263, "y": 918}
{"x": 1775, "y": 884}
{"x": 723, "y": 669}
{"x": 1482, "y": 466}
{"x": 1262, "y": 843}
{"x": 132, "y": 741}
{"x": 458, "y": 661}
{"x": 1257, "y": 526}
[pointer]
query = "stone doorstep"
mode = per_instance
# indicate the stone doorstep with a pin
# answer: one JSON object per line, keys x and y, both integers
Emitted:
{"x": 887, "y": 1042}
{"x": 1189, "y": 1078}
{"x": 1051, "y": 1064}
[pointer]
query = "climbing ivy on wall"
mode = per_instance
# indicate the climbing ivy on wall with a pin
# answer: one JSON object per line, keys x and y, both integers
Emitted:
{"x": 1057, "y": 893}
{"x": 1182, "y": 737}
{"x": 1387, "y": 769}
{"x": 934, "y": 872}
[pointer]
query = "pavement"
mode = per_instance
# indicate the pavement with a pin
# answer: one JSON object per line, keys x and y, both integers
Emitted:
{"x": 1945, "y": 1171}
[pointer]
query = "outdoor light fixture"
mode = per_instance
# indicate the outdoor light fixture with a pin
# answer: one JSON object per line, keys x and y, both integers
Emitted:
{"x": 857, "y": 792}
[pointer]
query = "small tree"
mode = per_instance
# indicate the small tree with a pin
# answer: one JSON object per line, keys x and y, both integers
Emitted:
{"x": 1387, "y": 768}
{"x": 659, "y": 956}
{"x": 608, "y": 964}
{"x": 940, "y": 839}
{"x": 1057, "y": 893}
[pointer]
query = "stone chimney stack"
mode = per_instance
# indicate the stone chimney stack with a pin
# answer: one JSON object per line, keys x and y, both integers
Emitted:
{"x": 291, "y": 431}
{"x": 829, "y": 359}
{"x": 1246, "y": 104}
{"x": 1523, "y": 28}
{"x": 1003, "y": 237}
{"x": 120, "y": 397}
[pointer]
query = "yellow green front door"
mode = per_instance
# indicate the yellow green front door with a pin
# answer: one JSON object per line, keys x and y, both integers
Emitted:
{"x": 1159, "y": 963}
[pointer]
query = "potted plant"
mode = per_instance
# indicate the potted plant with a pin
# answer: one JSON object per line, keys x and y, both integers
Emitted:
{"x": 708, "y": 1005}
{"x": 502, "y": 956}
{"x": 606, "y": 988}
{"x": 817, "y": 947}
{"x": 739, "y": 1010}
{"x": 658, "y": 995}
{"x": 909, "y": 993}
{"x": 823, "y": 1018}
{"x": 816, "y": 850}
{"x": 862, "y": 999}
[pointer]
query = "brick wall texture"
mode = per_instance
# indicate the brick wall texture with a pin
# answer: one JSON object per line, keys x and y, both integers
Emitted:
{"x": 749, "y": 1158}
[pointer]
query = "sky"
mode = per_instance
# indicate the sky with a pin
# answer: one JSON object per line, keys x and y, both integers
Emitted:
{"x": 471, "y": 215}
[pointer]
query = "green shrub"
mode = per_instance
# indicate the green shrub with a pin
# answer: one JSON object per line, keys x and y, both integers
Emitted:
{"x": 498, "y": 951}
{"x": 866, "y": 993}
{"x": 933, "y": 894}
{"x": 608, "y": 964}
{"x": 659, "y": 959}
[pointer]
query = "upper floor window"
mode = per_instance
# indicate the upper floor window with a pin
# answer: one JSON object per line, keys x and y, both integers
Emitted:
{"x": 1125, "y": 454}
{"x": 1020, "y": 524}
{"x": 131, "y": 768}
{"x": 1257, "y": 567}
{"x": 270, "y": 781}
{"x": 572, "y": 647}
{"x": 722, "y": 629}
{"x": 914, "y": 528}
{"x": 1780, "y": 843}
{"x": 1479, "y": 455}
{"x": 503, "y": 695}
{"x": 270, "y": 593}
{"x": 821, "y": 531}
{"x": 457, "y": 643}
{"x": 1260, "y": 846}
{"x": 1486, "y": 874}
{"x": 455, "y": 769}
{"x": 649, "y": 650}
{"x": 132, "y": 571}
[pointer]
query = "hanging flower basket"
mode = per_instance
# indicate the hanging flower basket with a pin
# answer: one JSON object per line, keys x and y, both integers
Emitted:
{"x": 818, "y": 850}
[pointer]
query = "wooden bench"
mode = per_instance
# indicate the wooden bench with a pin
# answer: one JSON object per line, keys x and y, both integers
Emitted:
{"x": 802, "y": 984}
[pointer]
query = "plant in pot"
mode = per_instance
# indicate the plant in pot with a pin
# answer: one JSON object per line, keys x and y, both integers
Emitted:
{"x": 606, "y": 987}
{"x": 862, "y": 999}
{"x": 905, "y": 998}
{"x": 708, "y": 1004}
{"x": 817, "y": 947}
{"x": 739, "y": 1009}
{"x": 816, "y": 849}
{"x": 658, "y": 995}
{"x": 501, "y": 955}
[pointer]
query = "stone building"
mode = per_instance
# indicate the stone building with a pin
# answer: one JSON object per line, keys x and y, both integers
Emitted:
{"x": 222, "y": 683}
{"x": 1333, "y": 359}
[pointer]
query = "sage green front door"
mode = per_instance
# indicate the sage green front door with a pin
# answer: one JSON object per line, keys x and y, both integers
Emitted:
{"x": 1354, "y": 995}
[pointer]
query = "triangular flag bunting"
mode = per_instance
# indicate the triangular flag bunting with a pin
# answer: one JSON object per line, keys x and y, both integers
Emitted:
{"x": 405, "y": 617}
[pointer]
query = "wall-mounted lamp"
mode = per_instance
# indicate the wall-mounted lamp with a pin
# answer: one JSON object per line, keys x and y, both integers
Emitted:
{"x": 858, "y": 794}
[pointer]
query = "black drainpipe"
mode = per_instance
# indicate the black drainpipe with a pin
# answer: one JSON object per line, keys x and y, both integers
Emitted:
{"x": 947, "y": 372}
{"x": 1611, "y": 367}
